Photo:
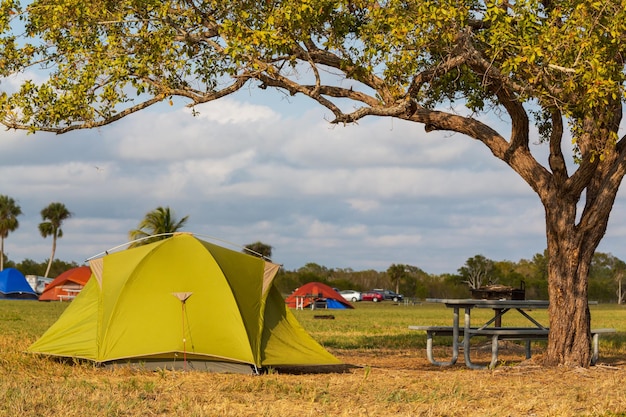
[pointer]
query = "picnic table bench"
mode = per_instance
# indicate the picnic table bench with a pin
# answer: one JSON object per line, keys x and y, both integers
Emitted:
{"x": 536, "y": 331}
{"x": 66, "y": 297}
{"x": 526, "y": 334}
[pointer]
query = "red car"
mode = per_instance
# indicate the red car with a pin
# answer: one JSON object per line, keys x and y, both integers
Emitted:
{"x": 372, "y": 296}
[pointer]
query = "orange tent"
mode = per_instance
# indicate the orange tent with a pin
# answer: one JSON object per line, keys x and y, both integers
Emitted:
{"x": 67, "y": 285}
{"x": 314, "y": 293}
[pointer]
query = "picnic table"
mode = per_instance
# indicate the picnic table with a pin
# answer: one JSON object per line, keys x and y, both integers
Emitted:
{"x": 315, "y": 301}
{"x": 492, "y": 328}
{"x": 70, "y": 294}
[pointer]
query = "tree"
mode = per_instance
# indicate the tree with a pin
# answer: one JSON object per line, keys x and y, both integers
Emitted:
{"x": 9, "y": 210}
{"x": 556, "y": 66}
{"x": 259, "y": 249}
{"x": 30, "y": 267}
{"x": 159, "y": 223}
{"x": 535, "y": 274}
{"x": 477, "y": 271}
{"x": 605, "y": 275}
{"x": 402, "y": 274}
{"x": 361, "y": 280}
{"x": 397, "y": 272}
{"x": 312, "y": 272}
{"x": 53, "y": 217}
{"x": 408, "y": 280}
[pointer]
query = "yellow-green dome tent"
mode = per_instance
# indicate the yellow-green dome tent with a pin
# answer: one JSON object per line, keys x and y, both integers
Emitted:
{"x": 180, "y": 302}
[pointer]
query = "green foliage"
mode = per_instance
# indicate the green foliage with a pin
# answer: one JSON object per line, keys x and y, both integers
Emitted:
{"x": 415, "y": 283}
{"x": 606, "y": 271}
{"x": 108, "y": 59}
{"x": 9, "y": 211}
{"x": 408, "y": 280}
{"x": 477, "y": 272}
{"x": 31, "y": 267}
{"x": 160, "y": 223}
{"x": 259, "y": 249}
{"x": 53, "y": 217}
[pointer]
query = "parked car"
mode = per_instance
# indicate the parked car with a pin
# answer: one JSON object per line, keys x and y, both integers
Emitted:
{"x": 372, "y": 296}
{"x": 351, "y": 295}
{"x": 389, "y": 295}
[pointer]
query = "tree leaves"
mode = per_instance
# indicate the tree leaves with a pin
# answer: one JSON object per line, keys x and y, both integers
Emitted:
{"x": 104, "y": 60}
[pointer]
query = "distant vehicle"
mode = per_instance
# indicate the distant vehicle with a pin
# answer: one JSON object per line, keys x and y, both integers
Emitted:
{"x": 389, "y": 295}
{"x": 372, "y": 296}
{"x": 351, "y": 295}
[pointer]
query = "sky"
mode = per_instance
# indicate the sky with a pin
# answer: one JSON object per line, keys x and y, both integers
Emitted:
{"x": 257, "y": 166}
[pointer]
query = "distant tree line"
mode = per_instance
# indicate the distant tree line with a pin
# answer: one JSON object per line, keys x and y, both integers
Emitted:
{"x": 31, "y": 267}
{"x": 605, "y": 282}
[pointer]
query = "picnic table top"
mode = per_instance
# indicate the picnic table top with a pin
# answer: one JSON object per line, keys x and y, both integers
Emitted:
{"x": 470, "y": 302}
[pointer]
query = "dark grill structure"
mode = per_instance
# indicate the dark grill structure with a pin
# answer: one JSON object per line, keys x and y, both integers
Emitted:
{"x": 499, "y": 292}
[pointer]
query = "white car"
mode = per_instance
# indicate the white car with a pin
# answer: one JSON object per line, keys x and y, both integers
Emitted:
{"x": 351, "y": 295}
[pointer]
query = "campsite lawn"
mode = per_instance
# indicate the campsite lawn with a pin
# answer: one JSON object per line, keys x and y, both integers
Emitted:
{"x": 386, "y": 374}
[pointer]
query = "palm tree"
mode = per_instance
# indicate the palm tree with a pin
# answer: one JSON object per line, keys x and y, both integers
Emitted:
{"x": 156, "y": 222}
{"x": 53, "y": 217}
{"x": 9, "y": 211}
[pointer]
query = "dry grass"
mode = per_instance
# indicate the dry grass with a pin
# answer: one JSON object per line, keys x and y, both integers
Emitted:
{"x": 390, "y": 377}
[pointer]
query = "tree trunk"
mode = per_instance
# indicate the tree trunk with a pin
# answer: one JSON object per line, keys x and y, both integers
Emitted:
{"x": 570, "y": 337}
{"x": 571, "y": 246}
{"x": 54, "y": 248}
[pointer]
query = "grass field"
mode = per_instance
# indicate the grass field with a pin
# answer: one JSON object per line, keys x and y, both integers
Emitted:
{"x": 386, "y": 373}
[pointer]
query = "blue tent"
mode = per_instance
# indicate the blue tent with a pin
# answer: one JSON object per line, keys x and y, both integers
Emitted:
{"x": 332, "y": 303}
{"x": 13, "y": 284}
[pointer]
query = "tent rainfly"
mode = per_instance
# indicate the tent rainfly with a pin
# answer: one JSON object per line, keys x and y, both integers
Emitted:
{"x": 313, "y": 292}
{"x": 182, "y": 302}
{"x": 13, "y": 284}
{"x": 66, "y": 285}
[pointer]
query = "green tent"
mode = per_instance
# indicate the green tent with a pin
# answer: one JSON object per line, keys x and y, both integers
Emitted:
{"x": 180, "y": 302}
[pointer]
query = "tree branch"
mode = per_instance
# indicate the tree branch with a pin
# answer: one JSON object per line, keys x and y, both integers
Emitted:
{"x": 326, "y": 58}
{"x": 85, "y": 125}
{"x": 556, "y": 159}
{"x": 506, "y": 91}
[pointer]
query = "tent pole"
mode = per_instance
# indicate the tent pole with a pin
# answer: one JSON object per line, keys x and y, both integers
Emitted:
{"x": 184, "y": 339}
{"x": 183, "y": 297}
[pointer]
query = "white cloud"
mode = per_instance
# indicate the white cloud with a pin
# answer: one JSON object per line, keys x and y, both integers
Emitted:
{"x": 362, "y": 196}
{"x": 229, "y": 111}
{"x": 395, "y": 240}
{"x": 363, "y": 205}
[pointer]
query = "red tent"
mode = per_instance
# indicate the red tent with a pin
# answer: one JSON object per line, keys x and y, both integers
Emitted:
{"x": 316, "y": 293}
{"x": 66, "y": 285}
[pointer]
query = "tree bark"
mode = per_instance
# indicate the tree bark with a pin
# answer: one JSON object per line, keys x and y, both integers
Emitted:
{"x": 571, "y": 245}
{"x": 54, "y": 248}
{"x": 569, "y": 341}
